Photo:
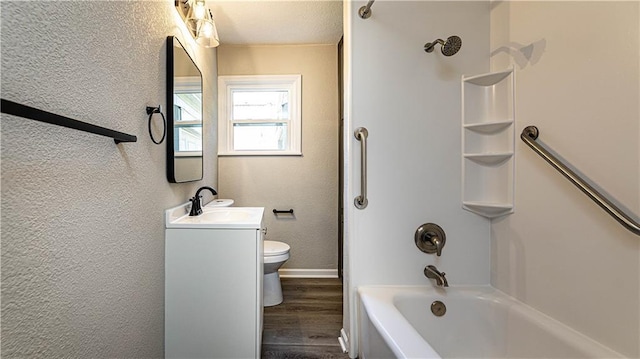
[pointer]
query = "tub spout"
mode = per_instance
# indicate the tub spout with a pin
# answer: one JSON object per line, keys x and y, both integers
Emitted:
{"x": 432, "y": 272}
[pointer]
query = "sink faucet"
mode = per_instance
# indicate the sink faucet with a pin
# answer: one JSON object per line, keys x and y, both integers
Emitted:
{"x": 196, "y": 208}
{"x": 433, "y": 273}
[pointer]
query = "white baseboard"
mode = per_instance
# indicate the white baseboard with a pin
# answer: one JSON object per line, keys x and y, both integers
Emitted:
{"x": 308, "y": 273}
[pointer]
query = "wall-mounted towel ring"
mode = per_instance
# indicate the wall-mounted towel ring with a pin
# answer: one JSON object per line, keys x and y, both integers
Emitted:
{"x": 150, "y": 112}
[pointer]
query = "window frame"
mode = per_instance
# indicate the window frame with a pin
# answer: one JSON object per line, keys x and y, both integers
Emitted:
{"x": 187, "y": 84}
{"x": 228, "y": 84}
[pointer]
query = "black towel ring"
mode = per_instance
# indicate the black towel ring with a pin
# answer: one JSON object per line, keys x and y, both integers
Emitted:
{"x": 150, "y": 112}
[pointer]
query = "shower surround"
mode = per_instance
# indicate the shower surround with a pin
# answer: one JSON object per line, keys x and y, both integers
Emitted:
{"x": 585, "y": 101}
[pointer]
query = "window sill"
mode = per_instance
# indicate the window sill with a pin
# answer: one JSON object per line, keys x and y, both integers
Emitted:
{"x": 259, "y": 153}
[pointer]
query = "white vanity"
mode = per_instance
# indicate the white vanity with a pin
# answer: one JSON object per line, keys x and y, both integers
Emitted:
{"x": 213, "y": 283}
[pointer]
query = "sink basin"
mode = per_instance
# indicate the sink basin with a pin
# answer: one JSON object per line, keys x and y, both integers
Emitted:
{"x": 219, "y": 202}
{"x": 215, "y": 217}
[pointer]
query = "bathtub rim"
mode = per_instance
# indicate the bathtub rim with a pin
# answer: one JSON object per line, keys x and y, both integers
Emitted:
{"x": 399, "y": 335}
{"x": 411, "y": 344}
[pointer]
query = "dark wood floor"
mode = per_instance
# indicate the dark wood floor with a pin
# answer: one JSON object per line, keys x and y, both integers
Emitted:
{"x": 307, "y": 324}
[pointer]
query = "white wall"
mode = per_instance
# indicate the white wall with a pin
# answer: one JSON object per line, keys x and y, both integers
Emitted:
{"x": 578, "y": 80}
{"x": 309, "y": 183}
{"x": 82, "y": 218}
{"x": 409, "y": 101}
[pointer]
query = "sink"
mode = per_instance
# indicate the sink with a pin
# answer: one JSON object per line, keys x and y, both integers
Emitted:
{"x": 212, "y": 215}
{"x": 215, "y": 217}
{"x": 219, "y": 202}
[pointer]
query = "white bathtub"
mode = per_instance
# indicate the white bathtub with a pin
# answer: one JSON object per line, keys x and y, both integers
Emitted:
{"x": 480, "y": 322}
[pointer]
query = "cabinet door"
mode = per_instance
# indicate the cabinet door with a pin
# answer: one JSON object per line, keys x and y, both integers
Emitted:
{"x": 210, "y": 293}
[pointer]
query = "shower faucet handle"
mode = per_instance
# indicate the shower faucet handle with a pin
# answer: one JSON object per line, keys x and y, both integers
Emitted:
{"x": 430, "y": 238}
{"x": 438, "y": 243}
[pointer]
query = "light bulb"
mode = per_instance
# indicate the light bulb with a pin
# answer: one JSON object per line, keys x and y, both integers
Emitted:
{"x": 199, "y": 10}
{"x": 206, "y": 29}
{"x": 208, "y": 35}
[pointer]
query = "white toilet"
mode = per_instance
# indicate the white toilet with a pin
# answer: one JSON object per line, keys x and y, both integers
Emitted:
{"x": 275, "y": 254}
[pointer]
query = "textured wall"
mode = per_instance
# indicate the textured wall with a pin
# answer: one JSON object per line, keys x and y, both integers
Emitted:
{"x": 82, "y": 218}
{"x": 308, "y": 184}
{"x": 559, "y": 252}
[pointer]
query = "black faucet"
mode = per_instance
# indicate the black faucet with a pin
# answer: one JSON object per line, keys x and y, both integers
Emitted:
{"x": 196, "y": 208}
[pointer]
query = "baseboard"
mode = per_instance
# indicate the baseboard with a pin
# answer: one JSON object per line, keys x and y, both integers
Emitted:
{"x": 308, "y": 273}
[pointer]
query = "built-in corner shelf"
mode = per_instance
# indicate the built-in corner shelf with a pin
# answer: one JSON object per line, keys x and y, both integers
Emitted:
{"x": 488, "y": 142}
{"x": 489, "y": 210}
{"x": 489, "y": 127}
{"x": 489, "y": 79}
{"x": 489, "y": 159}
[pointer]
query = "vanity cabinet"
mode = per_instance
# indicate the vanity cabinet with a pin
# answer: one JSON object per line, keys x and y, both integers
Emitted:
{"x": 488, "y": 133}
{"x": 213, "y": 292}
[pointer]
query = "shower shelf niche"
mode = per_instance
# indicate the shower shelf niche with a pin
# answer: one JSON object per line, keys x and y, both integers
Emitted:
{"x": 488, "y": 140}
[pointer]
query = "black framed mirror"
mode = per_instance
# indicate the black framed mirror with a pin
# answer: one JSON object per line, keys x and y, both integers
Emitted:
{"x": 184, "y": 115}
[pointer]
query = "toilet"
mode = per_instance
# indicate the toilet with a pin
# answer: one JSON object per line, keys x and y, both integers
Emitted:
{"x": 275, "y": 254}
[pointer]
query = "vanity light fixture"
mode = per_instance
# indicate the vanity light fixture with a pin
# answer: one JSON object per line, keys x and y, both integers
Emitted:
{"x": 199, "y": 21}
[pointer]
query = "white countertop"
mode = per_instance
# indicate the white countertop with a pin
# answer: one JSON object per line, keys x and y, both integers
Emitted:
{"x": 215, "y": 217}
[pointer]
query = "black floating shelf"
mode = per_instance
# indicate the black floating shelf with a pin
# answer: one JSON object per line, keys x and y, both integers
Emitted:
{"x": 16, "y": 109}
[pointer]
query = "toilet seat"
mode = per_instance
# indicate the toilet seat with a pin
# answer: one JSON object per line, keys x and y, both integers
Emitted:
{"x": 275, "y": 252}
{"x": 273, "y": 248}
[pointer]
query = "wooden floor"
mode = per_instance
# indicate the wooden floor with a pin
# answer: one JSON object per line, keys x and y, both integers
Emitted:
{"x": 307, "y": 324}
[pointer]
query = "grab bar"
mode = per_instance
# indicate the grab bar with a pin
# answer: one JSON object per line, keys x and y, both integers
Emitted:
{"x": 361, "y": 135}
{"x": 365, "y": 11}
{"x": 529, "y": 136}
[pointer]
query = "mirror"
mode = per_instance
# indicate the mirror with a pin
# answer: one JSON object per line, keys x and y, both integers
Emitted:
{"x": 184, "y": 115}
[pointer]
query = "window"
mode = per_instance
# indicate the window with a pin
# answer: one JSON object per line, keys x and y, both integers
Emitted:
{"x": 259, "y": 115}
{"x": 187, "y": 116}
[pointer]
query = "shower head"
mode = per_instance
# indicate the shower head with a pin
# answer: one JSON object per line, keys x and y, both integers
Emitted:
{"x": 449, "y": 47}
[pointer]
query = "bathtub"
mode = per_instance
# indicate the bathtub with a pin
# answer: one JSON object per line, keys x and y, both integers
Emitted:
{"x": 479, "y": 322}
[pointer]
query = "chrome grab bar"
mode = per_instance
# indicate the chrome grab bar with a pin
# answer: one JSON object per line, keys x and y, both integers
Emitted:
{"x": 529, "y": 136}
{"x": 361, "y": 135}
{"x": 365, "y": 11}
